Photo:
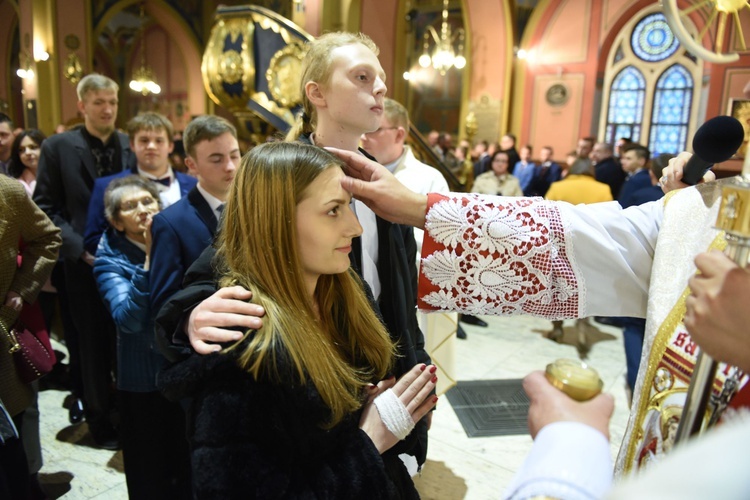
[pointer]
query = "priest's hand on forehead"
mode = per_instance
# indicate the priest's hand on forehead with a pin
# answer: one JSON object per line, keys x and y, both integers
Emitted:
{"x": 374, "y": 185}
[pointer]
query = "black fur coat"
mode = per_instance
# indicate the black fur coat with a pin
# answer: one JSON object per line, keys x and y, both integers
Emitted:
{"x": 257, "y": 439}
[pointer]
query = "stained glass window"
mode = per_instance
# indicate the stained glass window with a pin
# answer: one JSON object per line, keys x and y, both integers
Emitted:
{"x": 652, "y": 39}
{"x": 625, "y": 112}
{"x": 671, "y": 112}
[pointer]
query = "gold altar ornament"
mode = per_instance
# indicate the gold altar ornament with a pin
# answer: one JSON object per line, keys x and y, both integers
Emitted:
{"x": 734, "y": 217}
{"x": 284, "y": 74}
{"x": 228, "y": 67}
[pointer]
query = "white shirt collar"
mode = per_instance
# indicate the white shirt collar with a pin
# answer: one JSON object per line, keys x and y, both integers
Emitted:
{"x": 212, "y": 200}
{"x": 146, "y": 175}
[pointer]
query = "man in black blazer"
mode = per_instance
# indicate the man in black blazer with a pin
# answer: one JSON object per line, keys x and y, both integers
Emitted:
{"x": 152, "y": 141}
{"x": 68, "y": 166}
{"x": 181, "y": 232}
{"x": 606, "y": 168}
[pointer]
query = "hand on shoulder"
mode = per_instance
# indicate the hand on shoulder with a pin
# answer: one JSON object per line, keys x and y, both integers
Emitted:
{"x": 212, "y": 321}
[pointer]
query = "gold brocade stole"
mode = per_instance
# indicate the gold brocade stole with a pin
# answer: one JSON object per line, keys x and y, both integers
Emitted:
{"x": 670, "y": 367}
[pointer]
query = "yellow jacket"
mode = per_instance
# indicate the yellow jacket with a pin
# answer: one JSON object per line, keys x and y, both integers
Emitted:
{"x": 578, "y": 189}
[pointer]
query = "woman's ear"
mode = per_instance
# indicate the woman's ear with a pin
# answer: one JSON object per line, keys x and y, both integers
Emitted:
{"x": 314, "y": 94}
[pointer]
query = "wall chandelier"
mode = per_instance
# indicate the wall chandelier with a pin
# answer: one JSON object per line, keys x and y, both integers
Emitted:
{"x": 443, "y": 55}
{"x": 143, "y": 78}
{"x": 26, "y": 69}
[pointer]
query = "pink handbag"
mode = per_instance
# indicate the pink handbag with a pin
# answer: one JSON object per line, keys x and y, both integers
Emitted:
{"x": 30, "y": 346}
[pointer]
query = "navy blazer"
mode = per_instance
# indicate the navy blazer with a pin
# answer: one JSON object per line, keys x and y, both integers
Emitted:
{"x": 644, "y": 195}
{"x": 611, "y": 173}
{"x": 179, "y": 234}
{"x": 635, "y": 183}
{"x": 65, "y": 180}
{"x": 544, "y": 176}
{"x": 96, "y": 222}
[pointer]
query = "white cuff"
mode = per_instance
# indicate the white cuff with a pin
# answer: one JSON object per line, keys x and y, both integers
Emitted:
{"x": 568, "y": 460}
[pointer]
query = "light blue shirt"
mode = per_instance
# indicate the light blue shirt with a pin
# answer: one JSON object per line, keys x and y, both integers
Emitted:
{"x": 524, "y": 173}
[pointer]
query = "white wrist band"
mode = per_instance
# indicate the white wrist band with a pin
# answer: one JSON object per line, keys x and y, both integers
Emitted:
{"x": 394, "y": 414}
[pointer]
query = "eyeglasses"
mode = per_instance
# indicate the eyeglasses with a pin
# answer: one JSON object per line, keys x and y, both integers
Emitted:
{"x": 129, "y": 206}
{"x": 380, "y": 130}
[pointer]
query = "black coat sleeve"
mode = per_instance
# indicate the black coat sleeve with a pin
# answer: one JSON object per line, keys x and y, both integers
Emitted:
{"x": 412, "y": 280}
{"x": 199, "y": 284}
{"x": 252, "y": 439}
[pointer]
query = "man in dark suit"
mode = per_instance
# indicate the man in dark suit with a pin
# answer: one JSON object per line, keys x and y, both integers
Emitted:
{"x": 606, "y": 168}
{"x": 6, "y": 141}
{"x": 654, "y": 191}
{"x": 151, "y": 138}
{"x": 634, "y": 159}
{"x": 584, "y": 147}
{"x": 181, "y": 232}
{"x": 547, "y": 172}
{"x": 482, "y": 164}
{"x": 508, "y": 145}
{"x": 68, "y": 166}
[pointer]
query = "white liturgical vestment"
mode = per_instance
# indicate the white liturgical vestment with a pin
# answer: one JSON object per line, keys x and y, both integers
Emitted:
{"x": 496, "y": 255}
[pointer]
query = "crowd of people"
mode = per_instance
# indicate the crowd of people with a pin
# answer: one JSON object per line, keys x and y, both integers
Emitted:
{"x": 249, "y": 329}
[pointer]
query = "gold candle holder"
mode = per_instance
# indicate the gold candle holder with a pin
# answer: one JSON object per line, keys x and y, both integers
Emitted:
{"x": 575, "y": 378}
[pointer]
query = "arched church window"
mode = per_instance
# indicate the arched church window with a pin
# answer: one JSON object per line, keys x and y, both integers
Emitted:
{"x": 649, "y": 91}
{"x": 626, "y": 105}
{"x": 671, "y": 114}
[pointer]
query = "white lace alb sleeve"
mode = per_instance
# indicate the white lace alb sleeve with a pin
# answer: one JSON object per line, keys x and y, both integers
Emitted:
{"x": 496, "y": 255}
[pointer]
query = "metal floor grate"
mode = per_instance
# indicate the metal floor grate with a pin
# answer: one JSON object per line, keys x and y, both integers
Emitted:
{"x": 490, "y": 407}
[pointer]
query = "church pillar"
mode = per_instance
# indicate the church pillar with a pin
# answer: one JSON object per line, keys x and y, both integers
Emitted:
{"x": 41, "y": 92}
{"x": 46, "y": 41}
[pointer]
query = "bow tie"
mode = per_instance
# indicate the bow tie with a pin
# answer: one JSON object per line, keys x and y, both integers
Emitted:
{"x": 167, "y": 181}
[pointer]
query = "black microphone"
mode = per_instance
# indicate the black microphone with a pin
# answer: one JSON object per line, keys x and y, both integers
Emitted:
{"x": 715, "y": 141}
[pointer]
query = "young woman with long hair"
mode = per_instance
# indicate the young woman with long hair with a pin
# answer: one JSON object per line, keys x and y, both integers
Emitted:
{"x": 290, "y": 410}
{"x": 343, "y": 92}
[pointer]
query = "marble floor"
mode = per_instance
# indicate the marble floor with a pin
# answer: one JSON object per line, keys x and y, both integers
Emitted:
{"x": 457, "y": 466}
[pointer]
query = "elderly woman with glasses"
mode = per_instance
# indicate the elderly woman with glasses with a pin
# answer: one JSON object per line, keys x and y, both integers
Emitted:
{"x": 152, "y": 431}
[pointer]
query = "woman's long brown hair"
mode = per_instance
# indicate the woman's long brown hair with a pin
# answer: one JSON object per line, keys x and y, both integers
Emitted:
{"x": 343, "y": 347}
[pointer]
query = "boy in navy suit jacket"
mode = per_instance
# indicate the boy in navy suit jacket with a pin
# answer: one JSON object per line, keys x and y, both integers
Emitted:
{"x": 151, "y": 139}
{"x": 181, "y": 232}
